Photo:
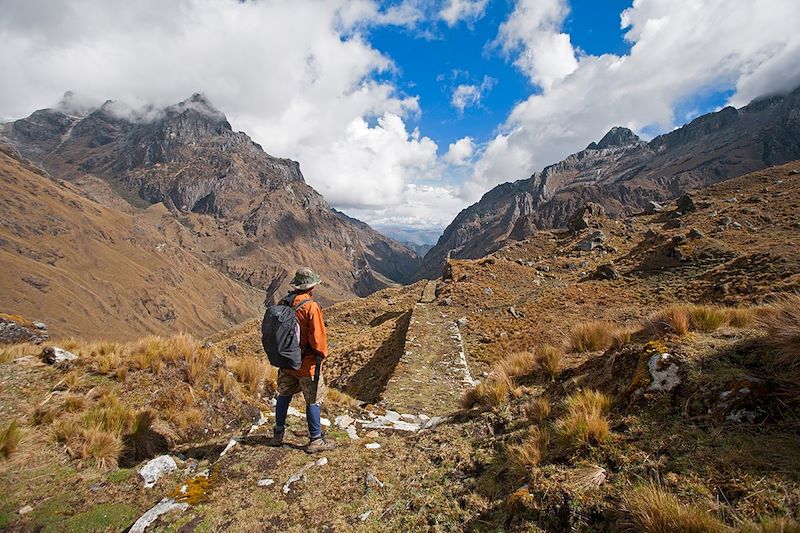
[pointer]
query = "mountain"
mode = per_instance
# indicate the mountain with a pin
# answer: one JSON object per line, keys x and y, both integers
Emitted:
{"x": 247, "y": 213}
{"x": 623, "y": 174}
{"x": 87, "y": 269}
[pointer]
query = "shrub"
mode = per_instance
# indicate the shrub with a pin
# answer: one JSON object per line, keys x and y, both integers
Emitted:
{"x": 584, "y": 421}
{"x": 654, "y": 510}
{"x": 530, "y": 452}
{"x": 548, "y": 359}
{"x": 591, "y": 336}
{"x": 9, "y": 439}
{"x": 707, "y": 318}
{"x": 517, "y": 364}
{"x": 781, "y": 321}
{"x": 537, "y": 409}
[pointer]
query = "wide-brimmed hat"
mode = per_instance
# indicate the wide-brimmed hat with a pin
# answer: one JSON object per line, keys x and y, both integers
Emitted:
{"x": 304, "y": 279}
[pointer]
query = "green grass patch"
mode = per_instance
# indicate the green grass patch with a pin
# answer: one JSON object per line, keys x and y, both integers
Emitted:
{"x": 103, "y": 517}
{"x": 120, "y": 475}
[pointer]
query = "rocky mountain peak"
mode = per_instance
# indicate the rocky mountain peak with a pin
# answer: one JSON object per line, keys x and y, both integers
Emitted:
{"x": 616, "y": 136}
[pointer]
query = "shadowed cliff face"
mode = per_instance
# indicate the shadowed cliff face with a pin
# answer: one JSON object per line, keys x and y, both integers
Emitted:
{"x": 250, "y": 214}
{"x": 623, "y": 173}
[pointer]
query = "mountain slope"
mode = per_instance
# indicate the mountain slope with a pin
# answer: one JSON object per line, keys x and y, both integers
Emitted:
{"x": 87, "y": 269}
{"x": 252, "y": 215}
{"x": 623, "y": 174}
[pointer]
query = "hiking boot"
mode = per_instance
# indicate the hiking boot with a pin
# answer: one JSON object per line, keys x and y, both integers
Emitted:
{"x": 277, "y": 438}
{"x": 320, "y": 445}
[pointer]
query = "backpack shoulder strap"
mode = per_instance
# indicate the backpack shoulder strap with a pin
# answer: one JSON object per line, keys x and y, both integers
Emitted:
{"x": 301, "y": 304}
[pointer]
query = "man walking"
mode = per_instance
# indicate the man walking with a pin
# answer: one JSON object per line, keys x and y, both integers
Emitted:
{"x": 308, "y": 378}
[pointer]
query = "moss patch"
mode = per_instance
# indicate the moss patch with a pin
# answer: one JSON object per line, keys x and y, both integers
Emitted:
{"x": 103, "y": 517}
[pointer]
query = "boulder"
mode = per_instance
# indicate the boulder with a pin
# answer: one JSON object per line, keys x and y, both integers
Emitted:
{"x": 652, "y": 207}
{"x": 53, "y": 355}
{"x": 604, "y": 272}
{"x": 155, "y": 469}
{"x": 592, "y": 241}
{"x": 686, "y": 204}
{"x": 587, "y": 216}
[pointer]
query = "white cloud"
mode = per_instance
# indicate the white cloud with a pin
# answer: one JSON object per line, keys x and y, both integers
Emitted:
{"x": 423, "y": 206}
{"x": 458, "y": 10}
{"x": 297, "y": 75}
{"x": 460, "y": 152}
{"x": 680, "y": 49}
{"x": 468, "y": 95}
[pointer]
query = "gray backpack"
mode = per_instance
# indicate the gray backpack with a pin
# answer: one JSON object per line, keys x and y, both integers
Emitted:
{"x": 280, "y": 334}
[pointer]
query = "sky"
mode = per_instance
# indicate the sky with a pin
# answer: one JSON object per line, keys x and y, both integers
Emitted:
{"x": 404, "y": 112}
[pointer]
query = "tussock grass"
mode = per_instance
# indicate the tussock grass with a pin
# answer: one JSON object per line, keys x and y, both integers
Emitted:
{"x": 100, "y": 447}
{"x": 530, "y": 452}
{"x": 707, "y": 318}
{"x": 9, "y": 439}
{"x": 654, "y": 510}
{"x": 772, "y": 525}
{"x": 584, "y": 421}
{"x": 339, "y": 398}
{"x": 73, "y": 380}
{"x": 781, "y": 322}
{"x": 674, "y": 319}
{"x": 621, "y": 338}
{"x": 75, "y": 402}
{"x": 739, "y": 317}
{"x": 549, "y": 359}
{"x": 187, "y": 421}
{"x": 491, "y": 392}
{"x": 537, "y": 409}
{"x": 591, "y": 336}
{"x": 198, "y": 363}
{"x": 253, "y": 372}
{"x": 13, "y": 351}
{"x": 225, "y": 382}
{"x": 109, "y": 414}
{"x": 517, "y": 364}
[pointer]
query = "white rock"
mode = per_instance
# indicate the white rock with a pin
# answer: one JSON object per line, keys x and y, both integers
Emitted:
{"x": 54, "y": 355}
{"x": 342, "y": 421}
{"x": 352, "y": 433}
{"x": 433, "y": 422}
{"x": 294, "y": 412}
{"x": 408, "y": 418}
{"x": 322, "y": 461}
{"x": 164, "y": 506}
{"x": 300, "y": 476}
{"x": 156, "y": 468}
{"x": 231, "y": 444}
{"x": 363, "y": 516}
{"x": 664, "y": 374}
{"x": 325, "y": 422}
{"x": 266, "y": 482}
{"x": 372, "y": 446}
{"x": 25, "y": 510}
{"x": 423, "y": 417}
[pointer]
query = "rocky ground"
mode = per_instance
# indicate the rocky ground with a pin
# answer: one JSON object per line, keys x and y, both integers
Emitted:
{"x": 705, "y": 420}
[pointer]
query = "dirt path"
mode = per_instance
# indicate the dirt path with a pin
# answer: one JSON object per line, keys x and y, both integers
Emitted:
{"x": 432, "y": 373}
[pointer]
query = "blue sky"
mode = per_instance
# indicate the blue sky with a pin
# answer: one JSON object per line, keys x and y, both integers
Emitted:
{"x": 404, "y": 112}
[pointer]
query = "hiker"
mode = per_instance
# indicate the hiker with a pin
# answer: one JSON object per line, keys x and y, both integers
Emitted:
{"x": 313, "y": 347}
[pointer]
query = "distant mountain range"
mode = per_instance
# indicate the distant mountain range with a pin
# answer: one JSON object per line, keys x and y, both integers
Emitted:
{"x": 623, "y": 174}
{"x": 216, "y": 194}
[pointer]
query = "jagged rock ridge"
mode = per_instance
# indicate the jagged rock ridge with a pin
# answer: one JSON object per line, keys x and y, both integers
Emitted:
{"x": 623, "y": 173}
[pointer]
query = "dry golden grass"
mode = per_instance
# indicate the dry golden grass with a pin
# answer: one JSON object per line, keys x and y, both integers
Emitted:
{"x": 674, "y": 319}
{"x": 621, "y": 338}
{"x": 187, "y": 421}
{"x": 74, "y": 403}
{"x": 549, "y": 359}
{"x": 591, "y": 336}
{"x": 339, "y": 398}
{"x": 253, "y": 372}
{"x": 109, "y": 414}
{"x": 654, "y": 510}
{"x": 781, "y": 322}
{"x": 516, "y": 364}
{"x": 73, "y": 380}
{"x": 100, "y": 447}
{"x": 197, "y": 365}
{"x": 537, "y": 409}
{"x": 707, "y": 318}
{"x": 225, "y": 382}
{"x": 13, "y": 351}
{"x": 530, "y": 452}
{"x": 739, "y": 317}
{"x": 491, "y": 392}
{"x": 9, "y": 439}
{"x": 584, "y": 421}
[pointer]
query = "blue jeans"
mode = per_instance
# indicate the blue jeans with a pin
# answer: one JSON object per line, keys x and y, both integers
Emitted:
{"x": 312, "y": 417}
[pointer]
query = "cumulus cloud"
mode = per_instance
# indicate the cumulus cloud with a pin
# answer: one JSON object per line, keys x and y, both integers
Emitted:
{"x": 681, "y": 49}
{"x": 460, "y": 152}
{"x": 468, "y": 95}
{"x": 455, "y": 11}
{"x": 297, "y": 75}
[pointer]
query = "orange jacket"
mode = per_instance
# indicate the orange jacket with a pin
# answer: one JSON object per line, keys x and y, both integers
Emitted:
{"x": 313, "y": 337}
